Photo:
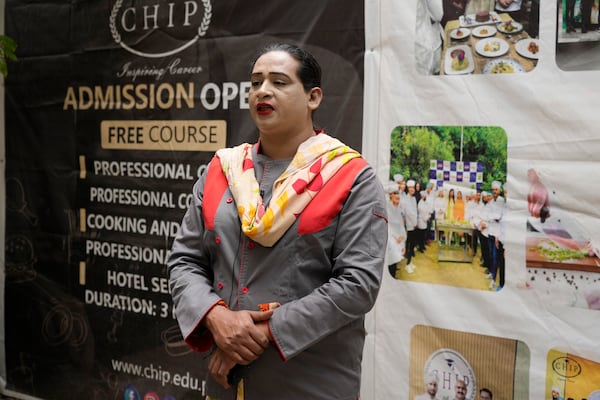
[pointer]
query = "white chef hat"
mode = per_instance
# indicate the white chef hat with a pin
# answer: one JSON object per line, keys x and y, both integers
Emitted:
{"x": 496, "y": 185}
{"x": 410, "y": 183}
{"x": 398, "y": 178}
{"x": 390, "y": 187}
{"x": 430, "y": 377}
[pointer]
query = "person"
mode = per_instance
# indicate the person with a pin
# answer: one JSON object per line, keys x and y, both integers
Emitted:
{"x": 281, "y": 252}
{"x": 494, "y": 215}
{"x": 586, "y": 15}
{"x": 431, "y": 387}
{"x": 459, "y": 207}
{"x": 483, "y": 232}
{"x": 511, "y": 7}
{"x": 570, "y": 15}
{"x": 399, "y": 179}
{"x": 475, "y": 6}
{"x": 534, "y": 19}
{"x": 411, "y": 218}
{"x": 396, "y": 230}
{"x": 450, "y": 205}
{"x": 423, "y": 215}
{"x": 460, "y": 390}
{"x": 450, "y": 214}
{"x": 475, "y": 212}
{"x": 429, "y": 33}
{"x": 556, "y": 393}
{"x": 485, "y": 394}
{"x": 453, "y": 9}
{"x": 430, "y": 189}
{"x": 439, "y": 206}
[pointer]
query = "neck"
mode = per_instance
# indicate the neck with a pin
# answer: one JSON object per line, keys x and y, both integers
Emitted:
{"x": 279, "y": 148}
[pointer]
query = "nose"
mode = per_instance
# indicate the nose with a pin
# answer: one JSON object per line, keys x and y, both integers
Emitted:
{"x": 264, "y": 90}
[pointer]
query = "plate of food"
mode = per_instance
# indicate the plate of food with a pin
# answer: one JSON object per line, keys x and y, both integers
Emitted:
{"x": 458, "y": 60}
{"x": 529, "y": 48}
{"x": 460, "y": 33}
{"x": 484, "y": 31}
{"x": 503, "y": 66}
{"x": 510, "y": 27}
{"x": 492, "y": 47}
{"x": 481, "y": 18}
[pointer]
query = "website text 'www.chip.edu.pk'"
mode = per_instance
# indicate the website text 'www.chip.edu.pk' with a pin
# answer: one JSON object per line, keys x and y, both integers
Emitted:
{"x": 186, "y": 381}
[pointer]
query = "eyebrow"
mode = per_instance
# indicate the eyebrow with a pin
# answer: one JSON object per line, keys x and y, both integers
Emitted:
{"x": 257, "y": 74}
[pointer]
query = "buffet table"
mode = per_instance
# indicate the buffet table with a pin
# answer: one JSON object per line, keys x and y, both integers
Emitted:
{"x": 449, "y": 252}
{"x": 498, "y": 45}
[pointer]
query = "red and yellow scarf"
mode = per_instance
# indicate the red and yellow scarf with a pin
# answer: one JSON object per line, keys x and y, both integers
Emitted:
{"x": 315, "y": 162}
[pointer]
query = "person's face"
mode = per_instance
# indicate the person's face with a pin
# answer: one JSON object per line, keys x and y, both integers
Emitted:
{"x": 554, "y": 394}
{"x": 496, "y": 192}
{"x": 402, "y": 186}
{"x": 432, "y": 388}
{"x": 460, "y": 389}
{"x": 411, "y": 190}
{"x": 279, "y": 105}
{"x": 459, "y": 195}
{"x": 484, "y": 396}
{"x": 395, "y": 198}
{"x": 478, "y": 197}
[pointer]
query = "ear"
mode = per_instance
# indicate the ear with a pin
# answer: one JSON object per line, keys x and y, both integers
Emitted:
{"x": 314, "y": 98}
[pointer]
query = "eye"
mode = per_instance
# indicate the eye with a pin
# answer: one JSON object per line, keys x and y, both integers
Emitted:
{"x": 255, "y": 83}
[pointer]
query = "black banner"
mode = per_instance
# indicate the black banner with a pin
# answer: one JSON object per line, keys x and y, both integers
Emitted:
{"x": 112, "y": 111}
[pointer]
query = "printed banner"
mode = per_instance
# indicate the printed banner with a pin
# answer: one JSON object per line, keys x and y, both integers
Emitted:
{"x": 112, "y": 112}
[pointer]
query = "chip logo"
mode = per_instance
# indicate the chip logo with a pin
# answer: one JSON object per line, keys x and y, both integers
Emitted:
{"x": 450, "y": 366}
{"x": 155, "y": 29}
{"x": 566, "y": 367}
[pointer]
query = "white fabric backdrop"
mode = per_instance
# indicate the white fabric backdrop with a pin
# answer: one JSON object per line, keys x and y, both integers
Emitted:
{"x": 551, "y": 118}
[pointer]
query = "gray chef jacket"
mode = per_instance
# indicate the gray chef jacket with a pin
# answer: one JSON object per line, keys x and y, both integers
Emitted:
{"x": 325, "y": 271}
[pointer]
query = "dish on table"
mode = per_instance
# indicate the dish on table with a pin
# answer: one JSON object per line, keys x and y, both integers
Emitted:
{"x": 595, "y": 395}
{"x": 460, "y": 33}
{"x": 484, "y": 31}
{"x": 510, "y": 27}
{"x": 529, "y": 48}
{"x": 503, "y": 66}
{"x": 470, "y": 20}
{"x": 458, "y": 60}
{"x": 492, "y": 47}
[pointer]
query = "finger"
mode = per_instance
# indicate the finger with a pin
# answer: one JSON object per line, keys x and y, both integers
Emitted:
{"x": 219, "y": 367}
{"x": 220, "y": 379}
{"x": 258, "y": 316}
{"x": 535, "y": 209}
{"x": 250, "y": 353}
{"x": 214, "y": 367}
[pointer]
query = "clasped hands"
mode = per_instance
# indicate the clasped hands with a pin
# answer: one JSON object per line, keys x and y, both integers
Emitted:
{"x": 241, "y": 337}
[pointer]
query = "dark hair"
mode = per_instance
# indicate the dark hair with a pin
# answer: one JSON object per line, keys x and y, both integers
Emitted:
{"x": 309, "y": 70}
{"x": 488, "y": 391}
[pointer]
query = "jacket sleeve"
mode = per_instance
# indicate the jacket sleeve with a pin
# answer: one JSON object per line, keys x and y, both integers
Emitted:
{"x": 357, "y": 263}
{"x": 190, "y": 275}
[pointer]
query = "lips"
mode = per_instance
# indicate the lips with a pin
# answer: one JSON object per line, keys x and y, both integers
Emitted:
{"x": 264, "y": 108}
